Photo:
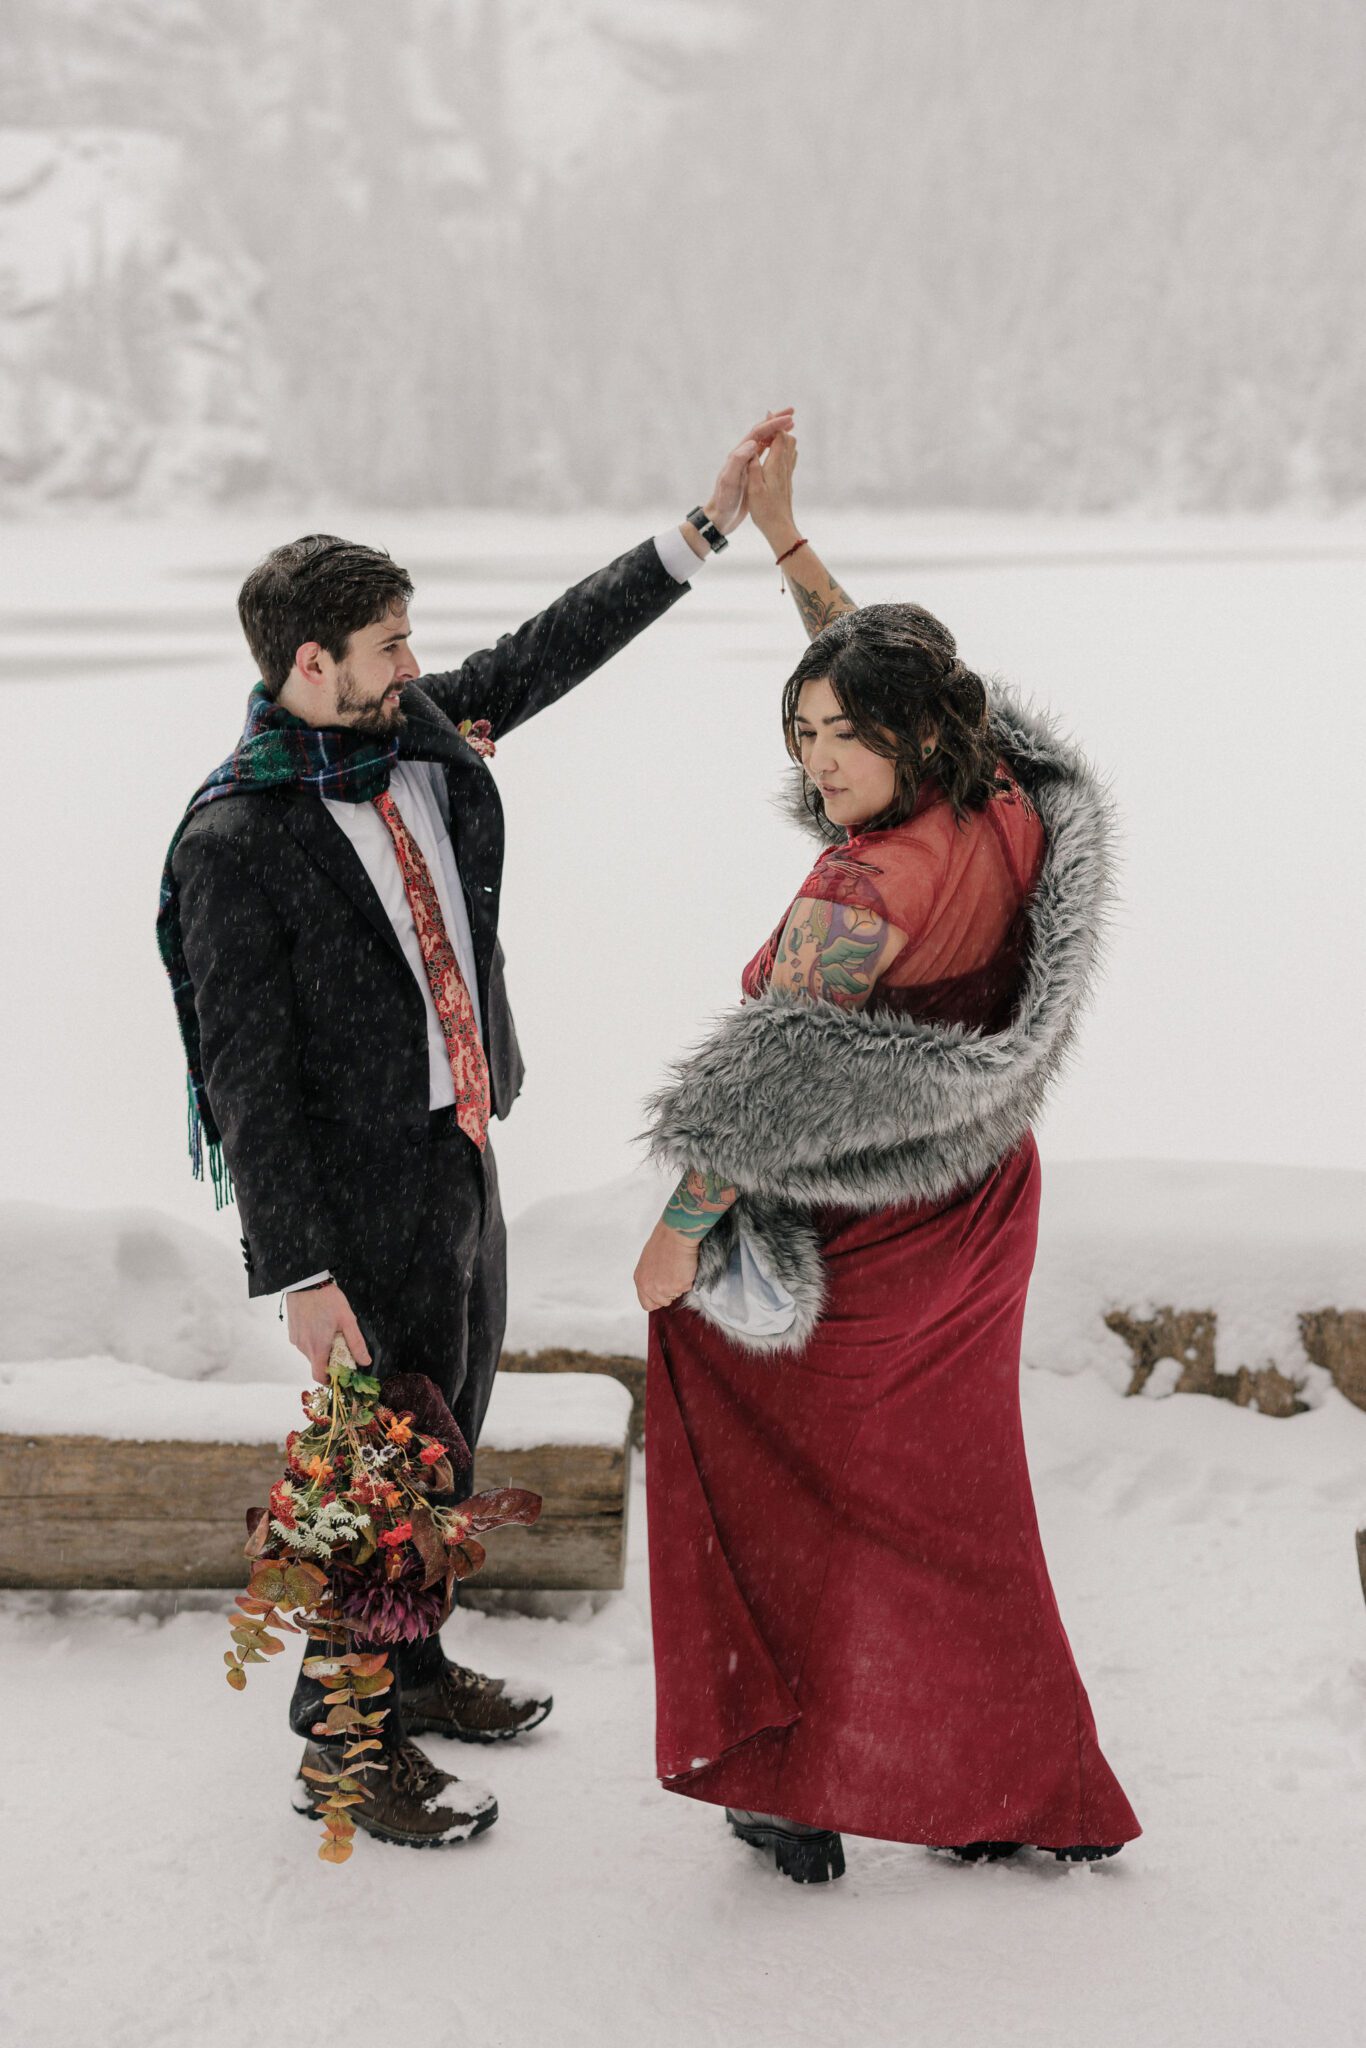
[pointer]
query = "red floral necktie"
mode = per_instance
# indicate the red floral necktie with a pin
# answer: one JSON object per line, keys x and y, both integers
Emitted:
{"x": 469, "y": 1068}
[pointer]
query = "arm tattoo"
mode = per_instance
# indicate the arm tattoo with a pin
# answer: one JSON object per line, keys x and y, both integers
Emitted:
{"x": 831, "y": 951}
{"x": 698, "y": 1203}
{"x": 817, "y": 611}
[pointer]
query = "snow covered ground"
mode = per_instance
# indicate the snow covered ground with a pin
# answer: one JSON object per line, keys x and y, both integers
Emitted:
{"x": 1204, "y": 1561}
{"x": 161, "y": 1894}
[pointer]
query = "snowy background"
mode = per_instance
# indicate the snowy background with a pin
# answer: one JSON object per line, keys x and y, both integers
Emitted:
{"x": 1069, "y": 303}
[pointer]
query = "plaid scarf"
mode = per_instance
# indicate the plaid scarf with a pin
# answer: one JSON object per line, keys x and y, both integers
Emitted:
{"x": 276, "y": 750}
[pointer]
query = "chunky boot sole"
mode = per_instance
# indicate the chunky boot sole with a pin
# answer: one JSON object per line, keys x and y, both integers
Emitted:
{"x": 984, "y": 1852}
{"x": 424, "y": 1724}
{"x": 1087, "y": 1853}
{"x": 302, "y": 1802}
{"x": 806, "y": 1859}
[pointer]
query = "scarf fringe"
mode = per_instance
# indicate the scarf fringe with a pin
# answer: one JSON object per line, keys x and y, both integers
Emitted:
{"x": 220, "y": 1173}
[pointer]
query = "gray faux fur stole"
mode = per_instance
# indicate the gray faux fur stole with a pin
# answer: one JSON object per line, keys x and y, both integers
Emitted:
{"x": 799, "y": 1103}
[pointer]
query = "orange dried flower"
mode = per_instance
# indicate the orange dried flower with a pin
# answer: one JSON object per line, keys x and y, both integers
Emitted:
{"x": 318, "y": 1468}
{"x": 399, "y": 1431}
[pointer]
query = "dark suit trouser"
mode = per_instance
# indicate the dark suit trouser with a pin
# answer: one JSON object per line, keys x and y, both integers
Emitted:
{"x": 442, "y": 1315}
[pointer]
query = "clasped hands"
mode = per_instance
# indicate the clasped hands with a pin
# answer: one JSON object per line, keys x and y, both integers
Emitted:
{"x": 755, "y": 479}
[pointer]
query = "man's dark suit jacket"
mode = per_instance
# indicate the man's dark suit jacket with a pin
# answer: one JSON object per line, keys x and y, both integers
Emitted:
{"x": 313, "y": 1028}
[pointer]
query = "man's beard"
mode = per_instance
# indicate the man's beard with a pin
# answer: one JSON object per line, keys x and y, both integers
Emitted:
{"x": 366, "y": 714}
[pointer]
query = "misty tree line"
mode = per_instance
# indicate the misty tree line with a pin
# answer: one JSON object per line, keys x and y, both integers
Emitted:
{"x": 1016, "y": 253}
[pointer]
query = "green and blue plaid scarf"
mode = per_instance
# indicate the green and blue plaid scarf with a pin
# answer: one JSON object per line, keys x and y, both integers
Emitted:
{"x": 275, "y": 750}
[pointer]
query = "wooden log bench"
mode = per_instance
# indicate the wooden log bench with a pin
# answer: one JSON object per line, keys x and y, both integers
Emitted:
{"x": 115, "y": 1509}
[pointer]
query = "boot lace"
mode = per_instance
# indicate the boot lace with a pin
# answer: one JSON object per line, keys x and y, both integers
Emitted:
{"x": 413, "y": 1772}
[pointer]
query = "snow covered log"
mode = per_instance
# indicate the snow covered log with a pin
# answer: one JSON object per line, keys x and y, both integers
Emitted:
{"x": 122, "y": 1508}
{"x": 630, "y": 1371}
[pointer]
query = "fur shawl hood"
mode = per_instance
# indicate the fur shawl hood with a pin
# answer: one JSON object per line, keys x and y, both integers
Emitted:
{"x": 800, "y": 1104}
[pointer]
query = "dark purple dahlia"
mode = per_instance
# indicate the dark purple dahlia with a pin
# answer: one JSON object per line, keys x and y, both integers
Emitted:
{"x": 397, "y": 1610}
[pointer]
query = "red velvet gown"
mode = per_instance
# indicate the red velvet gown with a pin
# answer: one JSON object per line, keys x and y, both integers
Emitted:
{"x": 853, "y": 1620}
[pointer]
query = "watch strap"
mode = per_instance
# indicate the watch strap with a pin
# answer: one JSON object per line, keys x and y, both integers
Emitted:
{"x": 710, "y": 532}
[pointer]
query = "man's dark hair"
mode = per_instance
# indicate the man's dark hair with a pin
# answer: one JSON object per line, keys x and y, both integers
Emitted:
{"x": 895, "y": 672}
{"x": 318, "y": 588}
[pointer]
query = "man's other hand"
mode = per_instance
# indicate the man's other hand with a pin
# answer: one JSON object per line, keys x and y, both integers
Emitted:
{"x": 317, "y": 1316}
{"x": 729, "y": 501}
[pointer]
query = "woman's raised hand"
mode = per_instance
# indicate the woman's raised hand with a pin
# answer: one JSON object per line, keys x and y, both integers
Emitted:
{"x": 769, "y": 486}
{"x": 729, "y": 500}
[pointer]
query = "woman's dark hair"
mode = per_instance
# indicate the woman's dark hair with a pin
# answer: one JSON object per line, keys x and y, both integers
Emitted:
{"x": 318, "y": 588}
{"x": 896, "y": 674}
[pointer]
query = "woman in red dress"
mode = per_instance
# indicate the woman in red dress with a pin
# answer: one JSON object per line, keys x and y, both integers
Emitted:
{"x": 854, "y": 1625}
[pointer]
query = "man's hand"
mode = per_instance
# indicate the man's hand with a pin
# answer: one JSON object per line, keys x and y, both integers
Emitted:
{"x": 314, "y": 1319}
{"x": 729, "y": 501}
{"x": 667, "y": 1267}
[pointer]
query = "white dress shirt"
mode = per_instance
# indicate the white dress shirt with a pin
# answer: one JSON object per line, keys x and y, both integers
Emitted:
{"x": 418, "y": 789}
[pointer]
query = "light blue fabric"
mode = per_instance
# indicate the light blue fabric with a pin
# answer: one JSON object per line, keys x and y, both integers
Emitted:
{"x": 747, "y": 1298}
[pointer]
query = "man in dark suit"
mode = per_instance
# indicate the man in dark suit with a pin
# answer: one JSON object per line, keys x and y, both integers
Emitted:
{"x": 354, "y": 1030}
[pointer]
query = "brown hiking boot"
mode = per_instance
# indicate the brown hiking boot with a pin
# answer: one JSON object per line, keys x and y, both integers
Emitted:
{"x": 411, "y": 1802}
{"x": 470, "y": 1707}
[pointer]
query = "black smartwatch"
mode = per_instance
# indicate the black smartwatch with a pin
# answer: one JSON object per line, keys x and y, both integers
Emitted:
{"x": 711, "y": 534}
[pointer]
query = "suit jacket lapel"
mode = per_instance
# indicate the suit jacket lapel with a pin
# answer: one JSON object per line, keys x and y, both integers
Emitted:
{"x": 323, "y": 840}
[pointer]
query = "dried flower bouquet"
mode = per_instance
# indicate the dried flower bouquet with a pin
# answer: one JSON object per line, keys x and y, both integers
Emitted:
{"x": 353, "y": 1546}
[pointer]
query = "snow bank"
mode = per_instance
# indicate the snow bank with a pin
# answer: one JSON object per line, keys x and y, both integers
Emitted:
{"x": 134, "y": 1285}
{"x": 110, "y": 1398}
{"x": 570, "y": 1261}
{"x": 1256, "y": 1244}
{"x": 144, "y": 1329}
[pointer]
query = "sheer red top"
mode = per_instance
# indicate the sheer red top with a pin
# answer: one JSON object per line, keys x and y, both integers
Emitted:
{"x": 960, "y": 893}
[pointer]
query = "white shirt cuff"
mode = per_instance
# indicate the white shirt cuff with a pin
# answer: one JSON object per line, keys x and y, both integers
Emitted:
{"x": 313, "y": 1280}
{"x": 677, "y": 557}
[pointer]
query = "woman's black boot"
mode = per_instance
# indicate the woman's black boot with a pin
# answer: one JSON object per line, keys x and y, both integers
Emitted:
{"x": 807, "y": 1855}
{"x": 984, "y": 1852}
{"x": 1086, "y": 1852}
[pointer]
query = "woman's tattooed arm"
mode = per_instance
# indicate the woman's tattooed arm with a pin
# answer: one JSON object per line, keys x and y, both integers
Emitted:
{"x": 698, "y": 1203}
{"x": 834, "y": 951}
{"x": 816, "y": 594}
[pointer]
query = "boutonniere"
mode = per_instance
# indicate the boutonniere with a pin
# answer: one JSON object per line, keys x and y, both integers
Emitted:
{"x": 476, "y": 731}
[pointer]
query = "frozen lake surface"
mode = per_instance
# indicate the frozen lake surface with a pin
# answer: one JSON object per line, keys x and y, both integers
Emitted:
{"x": 1214, "y": 669}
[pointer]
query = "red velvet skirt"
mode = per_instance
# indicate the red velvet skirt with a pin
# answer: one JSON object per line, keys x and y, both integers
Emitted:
{"x": 853, "y": 1620}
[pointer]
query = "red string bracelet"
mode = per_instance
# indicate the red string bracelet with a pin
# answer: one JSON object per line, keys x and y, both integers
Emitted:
{"x": 790, "y": 551}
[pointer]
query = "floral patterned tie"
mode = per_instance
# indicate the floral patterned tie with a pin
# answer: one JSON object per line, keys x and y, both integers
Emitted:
{"x": 469, "y": 1068}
